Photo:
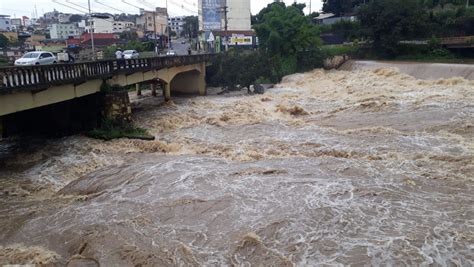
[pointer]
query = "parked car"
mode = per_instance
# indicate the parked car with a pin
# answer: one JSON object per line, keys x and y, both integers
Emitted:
{"x": 36, "y": 58}
{"x": 130, "y": 54}
{"x": 171, "y": 53}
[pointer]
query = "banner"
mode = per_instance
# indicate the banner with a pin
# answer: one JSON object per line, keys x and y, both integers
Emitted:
{"x": 211, "y": 14}
{"x": 240, "y": 40}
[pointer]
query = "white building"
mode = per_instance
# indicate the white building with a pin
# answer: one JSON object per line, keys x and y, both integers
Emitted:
{"x": 64, "y": 31}
{"x": 5, "y": 23}
{"x": 107, "y": 25}
{"x": 100, "y": 25}
{"x": 176, "y": 24}
{"x": 239, "y": 15}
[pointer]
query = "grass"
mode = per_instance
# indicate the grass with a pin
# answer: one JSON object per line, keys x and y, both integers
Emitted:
{"x": 336, "y": 50}
{"x": 110, "y": 130}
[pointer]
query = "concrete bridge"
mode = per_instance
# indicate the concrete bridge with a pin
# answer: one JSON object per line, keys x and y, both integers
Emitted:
{"x": 25, "y": 88}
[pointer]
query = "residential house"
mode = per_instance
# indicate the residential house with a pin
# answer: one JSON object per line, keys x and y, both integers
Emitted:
{"x": 64, "y": 31}
{"x": 5, "y": 23}
{"x": 176, "y": 24}
{"x": 149, "y": 21}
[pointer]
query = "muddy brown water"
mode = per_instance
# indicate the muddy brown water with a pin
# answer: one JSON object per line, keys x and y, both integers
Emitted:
{"x": 369, "y": 167}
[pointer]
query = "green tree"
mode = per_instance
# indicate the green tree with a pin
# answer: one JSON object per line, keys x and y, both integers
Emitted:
{"x": 191, "y": 27}
{"x": 341, "y": 7}
{"x": 129, "y": 35}
{"x": 4, "y": 42}
{"x": 286, "y": 34}
{"x": 387, "y": 22}
{"x": 75, "y": 18}
{"x": 285, "y": 31}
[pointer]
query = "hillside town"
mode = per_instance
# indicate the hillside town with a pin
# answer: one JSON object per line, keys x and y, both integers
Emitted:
{"x": 87, "y": 36}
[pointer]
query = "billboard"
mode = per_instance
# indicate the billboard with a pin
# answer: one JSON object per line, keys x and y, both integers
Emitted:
{"x": 211, "y": 14}
{"x": 238, "y": 39}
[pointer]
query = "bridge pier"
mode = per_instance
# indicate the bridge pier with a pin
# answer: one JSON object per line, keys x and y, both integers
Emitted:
{"x": 153, "y": 88}
{"x": 167, "y": 91}
{"x": 2, "y": 128}
{"x": 138, "y": 89}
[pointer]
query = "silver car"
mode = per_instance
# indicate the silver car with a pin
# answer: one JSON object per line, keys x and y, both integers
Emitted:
{"x": 36, "y": 58}
{"x": 130, "y": 54}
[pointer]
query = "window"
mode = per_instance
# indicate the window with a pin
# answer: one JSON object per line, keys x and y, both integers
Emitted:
{"x": 6, "y": 22}
{"x": 45, "y": 55}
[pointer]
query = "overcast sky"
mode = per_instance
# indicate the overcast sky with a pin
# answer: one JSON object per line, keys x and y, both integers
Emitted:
{"x": 176, "y": 7}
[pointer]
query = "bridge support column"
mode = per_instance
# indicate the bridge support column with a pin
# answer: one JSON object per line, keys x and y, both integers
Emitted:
{"x": 139, "y": 90}
{"x": 202, "y": 80}
{"x": 167, "y": 91}
{"x": 153, "y": 88}
{"x": 202, "y": 84}
{"x": 2, "y": 128}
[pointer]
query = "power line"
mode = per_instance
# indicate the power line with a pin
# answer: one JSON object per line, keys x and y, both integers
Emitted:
{"x": 100, "y": 3}
{"x": 56, "y": 2}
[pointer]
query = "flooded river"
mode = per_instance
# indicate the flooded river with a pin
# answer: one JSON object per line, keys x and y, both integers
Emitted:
{"x": 369, "y": 167}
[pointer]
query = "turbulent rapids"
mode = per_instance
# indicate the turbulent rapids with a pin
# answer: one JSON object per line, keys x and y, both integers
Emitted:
{"x": 369, "y": 167}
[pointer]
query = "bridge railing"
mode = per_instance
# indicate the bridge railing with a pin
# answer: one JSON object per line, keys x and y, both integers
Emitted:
{"x": 42, "y": 77}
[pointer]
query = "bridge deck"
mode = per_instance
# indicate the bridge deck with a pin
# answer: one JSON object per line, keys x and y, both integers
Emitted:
{"x": 42, "y": 77}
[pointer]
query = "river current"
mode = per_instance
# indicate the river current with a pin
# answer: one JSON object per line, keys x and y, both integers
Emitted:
{"x": 368, "y": 167}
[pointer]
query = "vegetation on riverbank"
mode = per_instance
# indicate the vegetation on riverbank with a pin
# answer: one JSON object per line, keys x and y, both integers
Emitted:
{"x": 110, "y": 130}
{"x": 289, "y": 41}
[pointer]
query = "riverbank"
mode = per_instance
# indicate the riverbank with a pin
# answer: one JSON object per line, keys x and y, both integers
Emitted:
{"x": 428, "y": 70}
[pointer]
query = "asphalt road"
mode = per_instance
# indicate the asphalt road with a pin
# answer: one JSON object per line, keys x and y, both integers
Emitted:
{"x": 179, "y": 48}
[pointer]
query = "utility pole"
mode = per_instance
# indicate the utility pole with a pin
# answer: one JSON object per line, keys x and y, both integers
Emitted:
{"x": 310, "y": 2}
{"x": 170, "y": 44}
{"x": 467, "y": 3}
{"x": 91, "y": 27}
{"x": 154, "y": 32}
{"x": 226, "y": 23}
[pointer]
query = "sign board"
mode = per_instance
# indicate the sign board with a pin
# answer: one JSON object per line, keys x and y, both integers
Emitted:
{"x": 211, "y": 37}
{"x": 241, "y": 40}
{"x": 211, "y": 14}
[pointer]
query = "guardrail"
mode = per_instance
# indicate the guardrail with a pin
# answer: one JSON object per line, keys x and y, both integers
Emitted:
{"x": 42, "y": 77}
{"x": 457, "y": 40}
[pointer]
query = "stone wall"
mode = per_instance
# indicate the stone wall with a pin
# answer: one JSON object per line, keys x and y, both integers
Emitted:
{"x": 117, "y": 107}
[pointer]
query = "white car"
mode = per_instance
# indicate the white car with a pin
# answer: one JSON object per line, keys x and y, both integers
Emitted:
{"x": 36, "y": 58}
{"x": 130, "y": 54}
{"x": 171, "y": 53}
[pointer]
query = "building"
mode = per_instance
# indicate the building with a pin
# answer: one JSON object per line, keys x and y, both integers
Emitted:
{"x": 5, "y": 23}
{"x": 330, "y": 18}
{"x": 16, "y": 24}
{"x": 214, "y": 36}
{"x": 100, "y": 25}
{"x": 149, "y": 21}
{"x": 64, "y": 18}
{"x": 64, "y": 31}
{"x": 121, "y": 26}
{"x": 176, "y": 24}
{"x": 212, "y": 15}
{"x": 239, "y": 15}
